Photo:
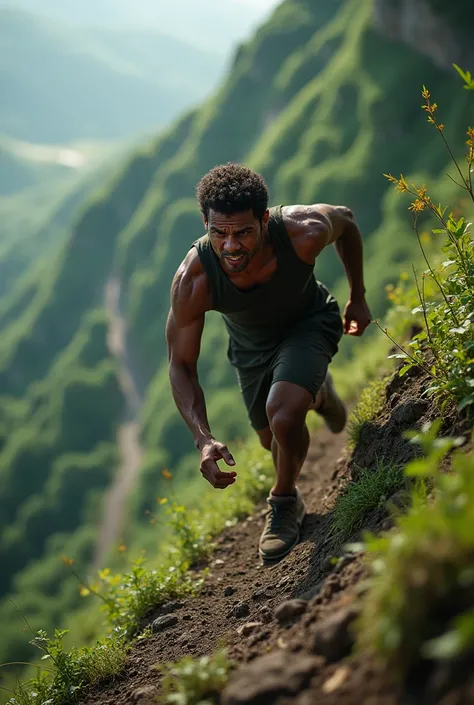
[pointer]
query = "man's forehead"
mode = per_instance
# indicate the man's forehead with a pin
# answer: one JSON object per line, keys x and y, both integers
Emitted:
{"x": 229, "y": 220}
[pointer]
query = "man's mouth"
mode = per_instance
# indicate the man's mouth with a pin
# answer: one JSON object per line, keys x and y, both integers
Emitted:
{"x": 235, "y": 259}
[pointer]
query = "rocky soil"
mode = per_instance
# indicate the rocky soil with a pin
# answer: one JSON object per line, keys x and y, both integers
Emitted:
{"x": 289, "y": 625}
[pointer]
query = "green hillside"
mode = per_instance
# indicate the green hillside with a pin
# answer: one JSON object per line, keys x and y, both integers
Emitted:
{"x": 323, "y": 106}
{"x": 60, "y": 83}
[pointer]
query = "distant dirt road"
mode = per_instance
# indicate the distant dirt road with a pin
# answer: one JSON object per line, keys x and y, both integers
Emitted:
{"x": 128, "y": 437}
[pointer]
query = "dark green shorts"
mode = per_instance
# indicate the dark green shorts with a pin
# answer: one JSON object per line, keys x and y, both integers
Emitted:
{"x": 302, "y": 358}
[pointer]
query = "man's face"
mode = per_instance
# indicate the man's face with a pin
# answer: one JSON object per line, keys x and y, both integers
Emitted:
{"x": 235, "y": 238}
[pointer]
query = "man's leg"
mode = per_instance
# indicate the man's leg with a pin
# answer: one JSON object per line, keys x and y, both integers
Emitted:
{"x": 287, "y": 406}
{"x": 286, "y": 409}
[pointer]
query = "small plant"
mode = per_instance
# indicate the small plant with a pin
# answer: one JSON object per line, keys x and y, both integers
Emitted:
{"x": 371, "y": 490}
{"x": 444, "y": 349}
{"x": 71, "y": 672}
{"x": 370, "y": 404}
{"x": 420, "y": 603}
{"x": 196, "y": 681}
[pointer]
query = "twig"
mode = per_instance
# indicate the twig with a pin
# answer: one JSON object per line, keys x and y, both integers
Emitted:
{"x": 465, "y": 182}
{"x": 413, "y": 359}
{"x": 454, "y": 181}
{"x": 421, "y": 296}
{"x": 435, "y": 278}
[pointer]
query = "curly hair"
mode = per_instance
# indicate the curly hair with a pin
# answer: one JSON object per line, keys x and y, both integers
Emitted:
{"x": 232, "y": 188}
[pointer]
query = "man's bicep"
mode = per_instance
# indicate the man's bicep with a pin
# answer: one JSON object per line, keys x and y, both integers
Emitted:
{"x": 184, "y": 339}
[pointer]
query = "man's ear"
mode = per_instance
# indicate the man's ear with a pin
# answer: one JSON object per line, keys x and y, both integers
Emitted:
{"x": 266, "y": 216}
{"x": 205, "y": 221}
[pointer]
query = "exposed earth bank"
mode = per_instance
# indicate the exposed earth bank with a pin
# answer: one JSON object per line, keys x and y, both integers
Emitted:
{"x": 289, "y": 626}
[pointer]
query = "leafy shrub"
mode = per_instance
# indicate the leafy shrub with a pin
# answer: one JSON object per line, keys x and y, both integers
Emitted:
{"x": 71, "y": 672}
{"x": 444, "y": 349}
{"x": 420, "y": 603}
{"x": 196, "y": 681}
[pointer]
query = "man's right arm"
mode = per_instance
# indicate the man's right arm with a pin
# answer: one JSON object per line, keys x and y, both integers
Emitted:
{"x": 190, "y": 299}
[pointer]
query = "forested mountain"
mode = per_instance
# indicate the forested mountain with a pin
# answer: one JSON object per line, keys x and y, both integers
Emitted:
{"x": 322, "y": 103}
{"x": 60, "y": 82}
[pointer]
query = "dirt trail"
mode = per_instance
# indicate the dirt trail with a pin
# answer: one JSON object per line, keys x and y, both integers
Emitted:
{"x": 297, "y": 652}
{"x": 240, "y": 590}
{"x": 128, "y": 437}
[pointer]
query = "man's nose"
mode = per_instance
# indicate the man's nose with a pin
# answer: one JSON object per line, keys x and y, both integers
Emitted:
{"x": 232, "y": 244}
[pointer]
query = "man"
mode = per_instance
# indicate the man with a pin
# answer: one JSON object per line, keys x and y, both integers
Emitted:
{"x": 255, "y": 266}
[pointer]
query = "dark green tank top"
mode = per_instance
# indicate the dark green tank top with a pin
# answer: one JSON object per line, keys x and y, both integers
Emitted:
{"x": 258, "y": 319}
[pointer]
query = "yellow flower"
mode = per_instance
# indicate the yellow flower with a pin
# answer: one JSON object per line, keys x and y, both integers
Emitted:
{"x": 103, "y": 574}
{"x": 162, "y": 500}
{"x": 84, "y": 591}
{"x": 68, "y": 561}
{"x": 417, "y": 206}
{"x": 122, "y": 548}
{"x": 166, "y": 474}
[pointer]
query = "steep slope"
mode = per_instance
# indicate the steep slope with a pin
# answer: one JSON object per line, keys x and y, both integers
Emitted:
{"x": 322, "y": 104}
{"x": 99, "y": 84}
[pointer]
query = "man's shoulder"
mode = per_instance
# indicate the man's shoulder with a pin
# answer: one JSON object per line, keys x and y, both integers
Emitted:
{"x": 190, "y": 286}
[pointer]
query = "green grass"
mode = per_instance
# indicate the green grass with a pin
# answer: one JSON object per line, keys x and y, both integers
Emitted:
{"x": 70, "y": 673}
{"x": 370, "y": 491}
{"x": 370, "y": 404}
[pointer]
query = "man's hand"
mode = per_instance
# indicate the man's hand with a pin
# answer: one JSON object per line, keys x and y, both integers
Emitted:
{"x": 211, "y": 452}
{"x": 356, "y": 317}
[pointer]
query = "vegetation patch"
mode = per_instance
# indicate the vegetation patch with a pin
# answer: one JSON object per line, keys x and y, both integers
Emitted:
{"x": 370, "y": 404}
{"x": 421, "y": 598}
{"x": 370, "y": 491}
{"x": 196, "y": 681}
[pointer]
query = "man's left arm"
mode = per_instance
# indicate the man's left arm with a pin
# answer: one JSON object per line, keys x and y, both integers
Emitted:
{"x": 311, "y": 229}
{"x": 347, "y": 240}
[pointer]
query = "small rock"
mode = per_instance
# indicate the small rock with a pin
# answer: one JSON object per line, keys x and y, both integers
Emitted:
{"x": 169, "y": 607}
{"x": 261, "y": 594}
{"x": 218, "y": 562}
{"x": 336, "y": 680}
{"x": 289, "y": 610}
{"x": 146, "y": 693}
{"x": 162, "y": 623}
{"x": 248, "y": 628}
{"x": 188, "y": 617}
{"x": 387, "y": 525}
{"x": 240, "y": 610}
{"x": 229, "y": 591}
{"x": 332, "y": 638}
{"x": 265, "y": 614}
{"x": 269, "y": 678}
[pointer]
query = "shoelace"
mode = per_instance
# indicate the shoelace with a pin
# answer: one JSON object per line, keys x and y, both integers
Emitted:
{"x": 279, "y": 514}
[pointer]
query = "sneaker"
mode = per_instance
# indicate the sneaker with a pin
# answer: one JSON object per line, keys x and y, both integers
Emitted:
{"x": 282, "y": 526}
{"x": 333, "y": 410}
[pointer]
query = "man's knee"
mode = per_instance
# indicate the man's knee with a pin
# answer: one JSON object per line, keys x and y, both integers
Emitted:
{"x": 286, "y": 421}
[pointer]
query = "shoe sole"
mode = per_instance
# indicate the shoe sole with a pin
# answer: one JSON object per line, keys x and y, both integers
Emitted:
{"x": 273, "y": 558}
